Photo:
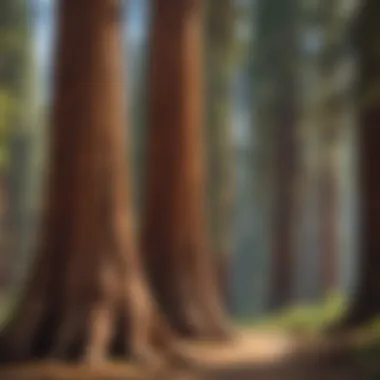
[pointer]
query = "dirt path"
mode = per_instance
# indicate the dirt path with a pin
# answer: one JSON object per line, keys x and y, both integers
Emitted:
{"x": 257, "y": 356}
{"x": 274, "y": 357}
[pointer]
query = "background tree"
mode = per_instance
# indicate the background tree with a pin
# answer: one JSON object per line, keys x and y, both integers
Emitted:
{"x": 326, "y": 235}
{"x": 309, "y": 247}
{"x": 17, "y": 107}
{"x": 320, "y": 123}
{"x": 276, "y": 67}
{"x": 221, "y": 57}
{"x": 137, "y": 15}
{"x": 330, "y": 128}
{"x": 365, "y": 304}
{"x": 179, "y": 259}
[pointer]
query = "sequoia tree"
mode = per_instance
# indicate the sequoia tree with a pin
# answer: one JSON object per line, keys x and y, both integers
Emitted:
{"x": 175, "y": 240}
{"x": 87, "y": 295}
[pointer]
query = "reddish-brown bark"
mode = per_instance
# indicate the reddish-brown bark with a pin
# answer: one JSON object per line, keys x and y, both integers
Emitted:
{"x": 179, "y": 261}
{"x": 87, "y": 294}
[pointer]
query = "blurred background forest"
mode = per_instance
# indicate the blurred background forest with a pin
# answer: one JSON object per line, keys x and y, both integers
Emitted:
{"x": 280, "y": 132}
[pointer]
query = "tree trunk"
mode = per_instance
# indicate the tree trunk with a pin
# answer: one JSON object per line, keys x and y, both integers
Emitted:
{"x": 4, "y": 249}
{"x": 179, "y": 261}
{"x": 366, "y": 301}
{"x": 87, "y": 294}
{"x": 18, "y": 215}
{"x": 220, "y": 55}
{"x": 284, "y": 209}
{"x": 276, "y": 60}
{"x": 330, "y": 119}
{"x": 330, "y": 212}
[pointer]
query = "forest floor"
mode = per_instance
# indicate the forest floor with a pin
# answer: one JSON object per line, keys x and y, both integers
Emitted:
{"x": 261, "y": 355}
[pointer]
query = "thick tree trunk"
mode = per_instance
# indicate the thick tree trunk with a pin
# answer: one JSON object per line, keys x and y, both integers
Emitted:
{"x": 87, "y": 294}
{"x": 179, "y": 261}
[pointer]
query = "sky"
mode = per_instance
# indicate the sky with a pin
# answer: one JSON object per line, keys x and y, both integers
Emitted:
{"x": 136, "y": 17}
{"x": 43, "y": 10}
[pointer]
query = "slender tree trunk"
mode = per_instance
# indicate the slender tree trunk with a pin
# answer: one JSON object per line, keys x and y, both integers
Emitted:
{"x": 87, "y": 295}
{"x": 330, "y": 119}
{"x": 17, "y": 196}
{"x": 308, "y": 276}
{"x": 366, "y": 302}
{"x": 178, "y": 257}
{"x": 4, "y": 248}
{"x": 330, "y": 212}
{"x": 220, "y": 56}
{"x": 276, "y": 74}
{"x": 285, "y": 207}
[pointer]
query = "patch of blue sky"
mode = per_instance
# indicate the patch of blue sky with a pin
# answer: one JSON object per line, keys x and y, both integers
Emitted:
{"x": 136, "y": 14}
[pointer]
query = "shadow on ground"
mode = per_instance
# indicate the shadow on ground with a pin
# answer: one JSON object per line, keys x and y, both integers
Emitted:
{"x": 256, "y": 356}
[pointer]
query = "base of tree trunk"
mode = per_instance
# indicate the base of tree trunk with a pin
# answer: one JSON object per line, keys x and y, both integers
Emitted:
{"x": 46, "y": 342}
{"x": 194, "y": 311}
{"x": 198, "y": 323}
{"x": 205, "y": 330}
{"x": 92, "y": 333}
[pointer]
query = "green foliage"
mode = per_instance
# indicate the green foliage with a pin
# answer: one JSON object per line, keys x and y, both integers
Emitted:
{"x": 15, "y": 57}
{"x": 8, "y": 106}
{"x": 365, "y": 354}
{"x": 307, "y": 319}
{"x": 6, "y": 305}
